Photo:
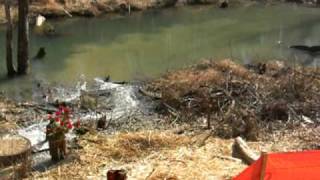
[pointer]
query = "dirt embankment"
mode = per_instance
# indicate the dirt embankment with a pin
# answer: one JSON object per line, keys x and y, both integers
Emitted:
{"x": 91, "y": 8}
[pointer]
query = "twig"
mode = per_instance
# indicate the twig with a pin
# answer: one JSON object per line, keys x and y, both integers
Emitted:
{"x": 150, "y": 174}
{"x": 227, "y": 158}
{"x": 171, "y": 110}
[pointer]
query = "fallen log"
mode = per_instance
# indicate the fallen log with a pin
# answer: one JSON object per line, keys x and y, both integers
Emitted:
{"x": 308, "y": 49}
{"x": 242, "y": 151}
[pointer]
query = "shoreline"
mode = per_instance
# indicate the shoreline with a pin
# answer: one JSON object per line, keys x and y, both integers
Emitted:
{"x": 95, "y": 8}
{"x": 99, "y": 8}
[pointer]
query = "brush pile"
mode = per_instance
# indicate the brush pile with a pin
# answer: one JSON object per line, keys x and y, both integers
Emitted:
{"x": 239, "y": 100}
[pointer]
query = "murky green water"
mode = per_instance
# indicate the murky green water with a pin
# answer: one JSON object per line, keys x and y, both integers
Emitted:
{"x": 148, "y": 44}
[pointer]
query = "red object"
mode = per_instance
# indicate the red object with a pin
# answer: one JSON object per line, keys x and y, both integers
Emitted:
{"x": 69, "y": 126}
{"x": 58, "y": 113}
{"x": 57, "y": 119}
{"x": 66, "y": 110}
{"x": 285, "y": 166}
{"x": 61, "y": 123}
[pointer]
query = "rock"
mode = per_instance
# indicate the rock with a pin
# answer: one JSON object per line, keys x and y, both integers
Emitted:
{"x": 40, "y": 20}
{"x": 41, "y": 53}
{"x": 107, "y": 78}
{"x": 223, "y": 4}
{"x": 117, "y": 175}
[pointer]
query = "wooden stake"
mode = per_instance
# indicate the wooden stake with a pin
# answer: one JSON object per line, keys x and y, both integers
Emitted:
{"x": 264, "y": 156}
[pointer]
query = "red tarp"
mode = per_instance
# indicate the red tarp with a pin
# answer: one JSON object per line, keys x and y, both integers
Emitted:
{"x": 285, "y": 166}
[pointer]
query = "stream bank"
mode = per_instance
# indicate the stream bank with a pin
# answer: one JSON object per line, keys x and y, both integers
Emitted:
{"x": 164, "y": 123}
{"x": 89, "y": 8}
{"x": 93, "y": 8}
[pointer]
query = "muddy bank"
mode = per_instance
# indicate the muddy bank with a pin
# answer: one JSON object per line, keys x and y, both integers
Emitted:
{"x": 88, "y": 8}
{"x": 92, "y": 8}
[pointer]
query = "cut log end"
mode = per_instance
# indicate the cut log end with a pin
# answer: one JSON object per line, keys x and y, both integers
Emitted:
{"x": 15, "y": 156}
{"x": 242, "y": 150}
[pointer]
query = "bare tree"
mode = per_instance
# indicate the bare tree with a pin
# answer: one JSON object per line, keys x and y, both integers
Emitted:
{"x": 10, "y": 66}
{"x": 23, "y": 37}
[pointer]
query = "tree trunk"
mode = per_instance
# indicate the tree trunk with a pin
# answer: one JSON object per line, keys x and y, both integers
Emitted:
{"x": 10, "y": 67}
{"x": 23, "y": 37}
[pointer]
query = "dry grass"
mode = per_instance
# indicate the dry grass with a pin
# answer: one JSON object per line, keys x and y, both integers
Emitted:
{"x": 99, "y": 150}
{"x": 129, "y": 146}
{"x": 234, "y": 69}
{"x": 156, "y": 155}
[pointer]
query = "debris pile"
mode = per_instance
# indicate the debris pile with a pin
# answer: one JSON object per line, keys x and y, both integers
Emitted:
{"x": 238, "y": 100}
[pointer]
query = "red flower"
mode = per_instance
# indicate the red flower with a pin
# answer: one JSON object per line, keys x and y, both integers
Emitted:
{"x": 57, "y": 119}
{"x": 69, "y": 126}
{"x": 58, "y": 113}
{"x": 66, "y": 110}
{"x": 61, "y": 118}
